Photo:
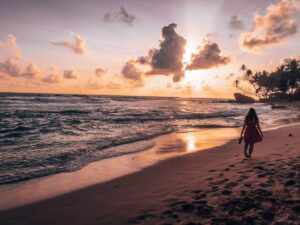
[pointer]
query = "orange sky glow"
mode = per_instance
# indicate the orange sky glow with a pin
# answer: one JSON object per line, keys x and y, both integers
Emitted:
{"x": 182, "y": 48}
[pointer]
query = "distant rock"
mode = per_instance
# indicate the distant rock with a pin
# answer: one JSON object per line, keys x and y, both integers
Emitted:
{"x": 240, "y": 98}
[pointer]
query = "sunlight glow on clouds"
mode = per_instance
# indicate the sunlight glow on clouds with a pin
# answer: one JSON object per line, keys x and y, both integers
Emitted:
{"x": 78, "y": 46}
{"x": 275, "y": 26}
{"x": 208, "y": 56}
{"x": 135, "y": 51}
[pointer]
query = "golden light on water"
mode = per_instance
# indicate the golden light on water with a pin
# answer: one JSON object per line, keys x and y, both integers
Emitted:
{"x": 191, "y": 145}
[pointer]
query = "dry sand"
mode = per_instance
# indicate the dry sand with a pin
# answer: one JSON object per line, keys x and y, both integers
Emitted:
{"x": 217, "y": 186}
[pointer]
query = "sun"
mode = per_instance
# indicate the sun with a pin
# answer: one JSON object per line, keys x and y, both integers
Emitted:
{"x": 190, "y": 49}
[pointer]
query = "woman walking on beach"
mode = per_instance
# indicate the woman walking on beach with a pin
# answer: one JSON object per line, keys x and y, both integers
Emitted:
{"x": 251, "y": 132}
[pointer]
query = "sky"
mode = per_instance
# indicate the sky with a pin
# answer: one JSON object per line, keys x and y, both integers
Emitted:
{"x": 184, "y": 48}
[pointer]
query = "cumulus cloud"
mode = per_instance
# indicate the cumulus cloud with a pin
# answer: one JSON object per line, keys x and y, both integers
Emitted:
{"x": 99, "y": 72}
{"x": 69, "y": 74}
{"x": 166, "y": 60}
{"x": 11, "y": 43}
{"x": 10, "y": 68}
{"x": 53, "y": 77}
{"x": 236, "y": 23}
{"x": 130, "y": 71}
{"x": 275, "y": 26}
{"x": 207, "y": 57}
{"x": 31, "y": 71}
{"x": 78, "y": 46}
{"x": 122, "y": 15}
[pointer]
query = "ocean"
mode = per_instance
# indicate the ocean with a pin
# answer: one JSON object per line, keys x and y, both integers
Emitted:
{"x": 43, "y": 134}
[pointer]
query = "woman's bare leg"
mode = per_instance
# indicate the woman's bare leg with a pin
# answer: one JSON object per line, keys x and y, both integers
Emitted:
{"x": 251, "y": 149}
{"x": 246, "y": 150}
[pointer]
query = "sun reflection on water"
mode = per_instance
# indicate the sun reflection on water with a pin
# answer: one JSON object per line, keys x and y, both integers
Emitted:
{"x": 191, "y": 145}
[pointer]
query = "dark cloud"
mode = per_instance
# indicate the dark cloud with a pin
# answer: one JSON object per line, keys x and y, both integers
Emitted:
{"x": 130, "y": 71}
{"x": 119, "y": 16}
{"x": 209, "y": 56}
{"x": 99, "y": 72}
{"x": 275, "y": 26}
{"x": 236, "y": 23}
{"x": 69, "y": 74}
{"x": 78, "y": 46}
{"x": 168, "y": 59}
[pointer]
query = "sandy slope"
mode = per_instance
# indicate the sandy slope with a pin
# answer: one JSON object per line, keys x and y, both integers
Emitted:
{"x": 211, "y": 187}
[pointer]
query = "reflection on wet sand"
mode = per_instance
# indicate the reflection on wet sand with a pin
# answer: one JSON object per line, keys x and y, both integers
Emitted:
{"x": 158, "y": 149}
{"x": 188, "y": 142}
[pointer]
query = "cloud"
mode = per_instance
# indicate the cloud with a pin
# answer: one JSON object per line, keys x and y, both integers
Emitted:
{"x": 11, "y": 43}
{"x": 69, "y": 74}
{"x": 93, "y": 85}
{"x": 96, "y": 85}
{"x": 275, "y": 26}
{"x": 119, "y": 16}
{"x": 31, "y": 71}
{"x": 130, "y": 71}
{"x": 207, "y": 57}
{"x": 78, "y": 46}
{"x": 167, "y": 60}
{"x": 236, "y": 23}
{"x": 99, "y": 72}
{"x": 53, "y": 77}
{"x": 10, "y": 68}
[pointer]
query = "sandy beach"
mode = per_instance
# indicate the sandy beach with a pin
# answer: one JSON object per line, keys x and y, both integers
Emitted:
{"x": 215, "y": 186}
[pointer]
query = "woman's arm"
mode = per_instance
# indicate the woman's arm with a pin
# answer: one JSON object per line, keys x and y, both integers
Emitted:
{"x": 259, "y": 129}
{"x": 243, "y": 130}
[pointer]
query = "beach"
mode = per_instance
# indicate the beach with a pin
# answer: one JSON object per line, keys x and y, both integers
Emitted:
{"x": 214, "y": 186}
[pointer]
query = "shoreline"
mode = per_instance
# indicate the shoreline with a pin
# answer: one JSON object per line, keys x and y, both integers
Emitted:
{"x": 151, "y": 189}
{"x": 156, "y": 150}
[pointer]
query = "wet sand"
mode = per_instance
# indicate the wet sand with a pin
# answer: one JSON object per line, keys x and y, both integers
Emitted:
{"x": 217, "y": 186}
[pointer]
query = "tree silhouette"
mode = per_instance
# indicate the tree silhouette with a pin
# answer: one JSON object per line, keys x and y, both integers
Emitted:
{"x": 283, "y": 83}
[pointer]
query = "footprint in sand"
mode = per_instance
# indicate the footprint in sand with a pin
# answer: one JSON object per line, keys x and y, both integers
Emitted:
{"x": 141, "y": 218}
{"x": 226, "y": 192}
{"x": 230, "y": 185}
{"x": 201, "y": 196}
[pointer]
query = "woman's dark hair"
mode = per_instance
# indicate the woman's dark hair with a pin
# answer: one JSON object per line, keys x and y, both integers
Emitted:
{"x": 252, "y": 115}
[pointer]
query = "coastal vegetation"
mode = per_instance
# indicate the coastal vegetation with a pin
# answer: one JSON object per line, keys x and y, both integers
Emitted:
{"x": 281, "y": 84}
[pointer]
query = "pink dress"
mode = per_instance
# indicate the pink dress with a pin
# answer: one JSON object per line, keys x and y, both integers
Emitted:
{"x": 252, "y": 134}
